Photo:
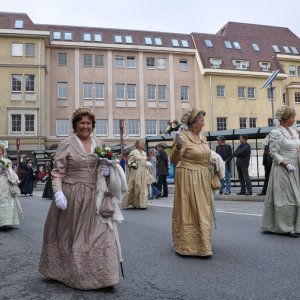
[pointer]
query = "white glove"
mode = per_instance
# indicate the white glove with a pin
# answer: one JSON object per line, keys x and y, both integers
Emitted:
{"x": 104, "y": 169}
{"x": 60, "y": 200}
{"x": 179, "y": 139}
{"x": 290, "y": 168}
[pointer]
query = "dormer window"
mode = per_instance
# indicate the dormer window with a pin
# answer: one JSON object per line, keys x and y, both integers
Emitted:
{"x": 237, "y": 45}
{"x": 148, "y": 40}
{"x": 56, "y": 35}
{"x": 19, "y": 24}
{"x": 128, "y": 39}
{"x": 185, "y": 43}
{"x": 276, "y": 48}
{"x": 118, "y": 39}
{"x": 97, "y": 37}
{"x": 175, "y": 43}
{"x": 227, "y": 44}
{"x": 68, "y": 36}
{"x": 158, "y": 41}
{"x": 215, "y": 62}
{"x": 294, "y": 50}
{"x": 287, "y": 49}
{"x": 208, "y": 43}
{"x": 265, "y": 66}
{"x": 87, "y": 37}
{"x": 255, "y": 47}
{"x": 241, "y": 64}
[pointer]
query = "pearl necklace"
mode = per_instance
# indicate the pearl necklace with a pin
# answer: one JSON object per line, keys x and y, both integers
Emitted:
{"x": 87, "y": 156}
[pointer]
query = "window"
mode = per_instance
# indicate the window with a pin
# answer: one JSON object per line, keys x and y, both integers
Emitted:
{"x": 133, "y": 127}
{"x": 116, "y": 127}
{"x": 241, "y": 92}
{"x": 17, "y": 49}
{"x": 298, "y": 68}
{"x": 221, "y": 91}
{"x": 208, "y": 43}
{"x": 243, "y": 123}
{"x": 88, "y": 60}
{"x": 215, "y": 62}
{"x": 62, "y": 127}
{"x": 118, "y": 39}
{"x": 185, "y": 43}
{"x": 29, "y": 123}
{"x": 16, "y": 123}
{"x": 161, "y": 63}
{"x": 183, "y": 65}
{"x": 237, "y": 45}
{"x": 151, "y": 92}
{"x": 162, "y": 126}
{"x": 99, "y": 60}
{"x": 158, "y": 41}
{"x": 264, "y": 66}
{"x": 150, "y": 127}
{"x": 271, "y": 93}
{"x": 148, "y": 40}
{"x": 101, "y": 127}
{"x": 294, "y": 50}
{"x": 130, "y": 62}
{"x": 131, "y": 91}
{"x": 29, "y": 83}
{"x": 120, "y": 91}
{"x": 276, "y": 48}
{"x": 255, "y": 47}
{"x": 97, "y": 37}
{"x": 119, "y": 62}
{"x": 251, "y": 92}
{"x": 227, "y": 44}
{"x": 16, "y": 83}
{"x": 284, "y": 98}
{"x": 175, "y": 43}
{"x": 56, "y": 35}
{"x": 287, "y": 49}
{"x": 297, "y": 97}
{"x": 162, "y": 92}
{"x": 62, "y": 59}
{"x": 87, "y": 37}
{"x": 87, "y": 91}
{"x": 19, "y": 24}
{"x": 99, "y": 90}
{"x": 241, "y": 64}
{"x": 150, "y": 62}
{"x": 184, "y": 93}
{"x": 221, "y": 123}
{"x": 252, "y": 122}
{"x": 30, "y": 49}
{"x": 270, "y": 122}
{"x": 128, "y": 39}
{"x": 62, "y": 90}
{"x": 68, "y": 36}
{"x": 292, "y": 70}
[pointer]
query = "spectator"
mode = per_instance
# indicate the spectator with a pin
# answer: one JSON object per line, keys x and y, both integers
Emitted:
{"x": 162, "y": 170}
{"x": 28, "y": 178}
{"x": 225, "y": 151}
{"x": 242, "y": 154}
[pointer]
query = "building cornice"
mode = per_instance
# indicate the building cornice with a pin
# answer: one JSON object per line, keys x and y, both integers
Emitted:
{"x": 288, "y": 57}
{"x": 35, "y": 33}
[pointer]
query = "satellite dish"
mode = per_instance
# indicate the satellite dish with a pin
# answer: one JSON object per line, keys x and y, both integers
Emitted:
{"x": 270, "y": 79}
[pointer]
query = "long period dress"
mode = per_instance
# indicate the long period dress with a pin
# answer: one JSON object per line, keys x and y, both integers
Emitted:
{"x": 193, "y": 208}
{"x": 9, "y": 191}
{"x": 137, "y": 194}
{"x": 282, "y": 201}
{"x": 78, "y": 249}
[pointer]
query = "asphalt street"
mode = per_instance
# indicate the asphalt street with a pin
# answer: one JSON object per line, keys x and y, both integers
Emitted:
{"x": 246, "y": 264}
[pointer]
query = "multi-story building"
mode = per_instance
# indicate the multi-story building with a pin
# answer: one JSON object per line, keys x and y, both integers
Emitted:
{"x": 144, "y": 78}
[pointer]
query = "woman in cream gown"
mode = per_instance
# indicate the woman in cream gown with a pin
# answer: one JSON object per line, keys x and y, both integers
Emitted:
{"x": 137, "y": 194}
{"x": 193, "y": 209}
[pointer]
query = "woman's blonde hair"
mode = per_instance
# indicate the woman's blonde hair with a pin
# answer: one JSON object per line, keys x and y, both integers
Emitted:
{"x": 2, "y": 147}
{"x": 190, "y": 116}
{"x": 137, "y": 141}
{"x": 284, "y": 112}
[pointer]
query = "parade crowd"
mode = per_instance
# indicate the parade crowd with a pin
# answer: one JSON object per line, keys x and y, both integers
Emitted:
{"x": 90, "y": 188}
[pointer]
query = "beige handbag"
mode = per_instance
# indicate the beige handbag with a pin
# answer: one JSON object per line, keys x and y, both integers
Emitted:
{"x": 107, "y": 207}
{"x": 215, "y": 182}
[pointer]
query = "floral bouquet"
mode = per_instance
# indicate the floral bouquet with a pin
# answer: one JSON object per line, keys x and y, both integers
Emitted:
{"x": 4, "y": 164}
{"x": 173, "y": 127}
{"x": 133, "y": 165}
{"x": 105, "y": 152}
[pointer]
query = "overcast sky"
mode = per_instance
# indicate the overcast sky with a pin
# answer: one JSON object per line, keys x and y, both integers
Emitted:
{"x": 181, "y": 16}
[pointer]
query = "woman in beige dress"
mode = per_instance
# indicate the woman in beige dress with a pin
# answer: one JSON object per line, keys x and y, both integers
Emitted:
{"x": 137, "y": 195}
{"x": 192, "y": 211}
{"x": 79, "y": 250}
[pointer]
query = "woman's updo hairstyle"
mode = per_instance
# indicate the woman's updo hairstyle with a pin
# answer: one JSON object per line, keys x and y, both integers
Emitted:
{"x": 190, "y": 115}
{"x": 284, "y": 112}
{"x": 79, "y": 113}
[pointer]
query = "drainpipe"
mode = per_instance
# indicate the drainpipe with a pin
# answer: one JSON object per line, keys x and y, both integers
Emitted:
{"x": 211, "y": 102}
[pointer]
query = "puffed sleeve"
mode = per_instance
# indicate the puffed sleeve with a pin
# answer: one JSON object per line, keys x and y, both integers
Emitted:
{"x": 276, "y": 138}
{"x": 59, "y": 166}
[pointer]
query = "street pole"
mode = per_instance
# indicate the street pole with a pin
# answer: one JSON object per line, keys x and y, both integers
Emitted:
{"x": 121, "y": 136}
{"x": 18, "y": 158}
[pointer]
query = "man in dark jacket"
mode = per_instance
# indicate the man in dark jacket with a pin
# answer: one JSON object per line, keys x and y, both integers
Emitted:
{"x": 162, "y": 170}
{"x": 242, "y": 154}
{"x": 225, "y": 151}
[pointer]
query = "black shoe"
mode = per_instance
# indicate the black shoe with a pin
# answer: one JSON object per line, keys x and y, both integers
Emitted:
{"x": 293, "y": 234}
{"x": 227, "y": 193}
{"x": 248, "y": 194}
{"x": 240, "y": 193}
{"x": 220, "y": 193}
{"x": 165, "y": 196}
{"x": 261, "y": 194}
